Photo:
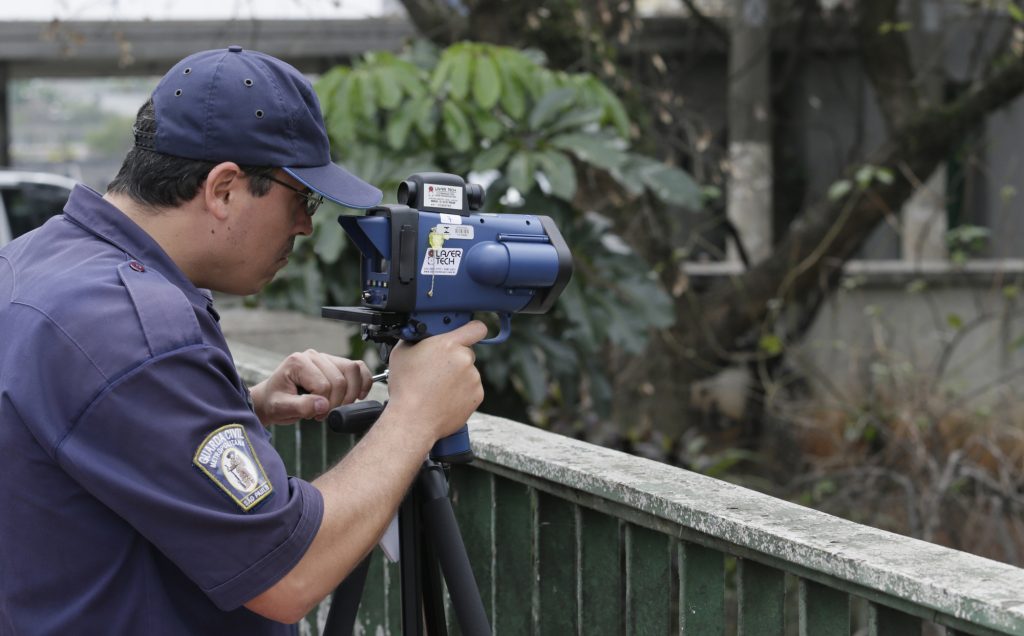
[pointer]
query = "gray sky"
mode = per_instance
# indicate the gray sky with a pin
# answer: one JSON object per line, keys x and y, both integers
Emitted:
{"x": 192, "y": 9}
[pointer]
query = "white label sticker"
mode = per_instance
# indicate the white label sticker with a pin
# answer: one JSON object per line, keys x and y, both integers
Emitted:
{"x": 451, "y": 219}
{"x": 442, "y": 262}
{"x": 456, "y": 231}
{"x": 442, "y": 196}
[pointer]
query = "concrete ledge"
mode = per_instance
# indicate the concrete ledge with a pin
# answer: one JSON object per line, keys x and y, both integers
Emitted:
{"x": 892, "y": 273}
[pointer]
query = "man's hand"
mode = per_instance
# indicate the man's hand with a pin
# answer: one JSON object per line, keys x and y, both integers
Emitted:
{"x": 326, "y": 381}
{"x": 434, "y": 383}
{"x": 434, "y": 387}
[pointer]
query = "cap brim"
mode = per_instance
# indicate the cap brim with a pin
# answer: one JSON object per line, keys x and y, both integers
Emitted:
{"x": 338, "y": 185}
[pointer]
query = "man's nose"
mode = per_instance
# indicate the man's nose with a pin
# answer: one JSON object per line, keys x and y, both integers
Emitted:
{"x": 304, "y": 223}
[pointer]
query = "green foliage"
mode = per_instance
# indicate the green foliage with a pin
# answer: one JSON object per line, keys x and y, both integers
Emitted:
{"x": 863, "y": 178}
{"x": 965, "y": 241}
{"x": 1015, "y": 11}
{"x": 536, "y": 134}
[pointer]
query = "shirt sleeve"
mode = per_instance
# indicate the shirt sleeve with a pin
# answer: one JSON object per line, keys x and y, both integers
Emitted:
{"x": 173, "y": 448}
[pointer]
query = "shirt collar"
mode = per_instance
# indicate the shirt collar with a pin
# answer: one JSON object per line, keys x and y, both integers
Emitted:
{"x": 88, "y": 209}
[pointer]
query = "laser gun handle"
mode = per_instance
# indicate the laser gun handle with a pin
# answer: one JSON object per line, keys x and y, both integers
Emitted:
{"x": 453, "y": 449}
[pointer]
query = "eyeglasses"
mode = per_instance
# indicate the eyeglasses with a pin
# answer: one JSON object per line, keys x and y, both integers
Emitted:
{"x": 312, "y": 201}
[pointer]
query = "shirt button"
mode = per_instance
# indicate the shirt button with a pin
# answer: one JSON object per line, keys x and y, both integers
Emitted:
{"x": 137, "y": 266}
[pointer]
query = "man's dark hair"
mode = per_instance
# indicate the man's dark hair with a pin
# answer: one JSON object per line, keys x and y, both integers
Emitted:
{"x": 160, "y": 180}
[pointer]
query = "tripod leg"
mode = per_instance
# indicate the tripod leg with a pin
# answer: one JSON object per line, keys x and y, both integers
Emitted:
{"x": 433, "y": 598}
{"x": 442, "y": 531}
{"x": 345, "y": 602}
{"x": 410, "y": 564}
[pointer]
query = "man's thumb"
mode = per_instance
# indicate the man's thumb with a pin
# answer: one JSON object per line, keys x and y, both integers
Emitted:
{"x": 469, "y": 333}
{"x": 296, "y": 407}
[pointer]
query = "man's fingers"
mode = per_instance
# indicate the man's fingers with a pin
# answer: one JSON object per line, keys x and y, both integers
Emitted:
{"x": 469, "y": 333}
{"x": 338, "y": 383}
{"x": 288, "y": 408}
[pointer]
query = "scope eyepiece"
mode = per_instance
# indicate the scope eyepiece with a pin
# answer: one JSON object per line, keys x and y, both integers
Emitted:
{"x": 474, "y": 196}
{"x": 407, "y": 193}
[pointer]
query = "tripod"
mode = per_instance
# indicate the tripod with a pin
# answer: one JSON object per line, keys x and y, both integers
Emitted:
{"x": 430, "y": 545}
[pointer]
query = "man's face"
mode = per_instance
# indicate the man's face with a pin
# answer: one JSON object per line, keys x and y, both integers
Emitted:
{"x": 262, "y": 244}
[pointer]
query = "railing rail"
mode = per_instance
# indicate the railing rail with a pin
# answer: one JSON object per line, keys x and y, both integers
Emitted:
{"x": 570, "y": 538}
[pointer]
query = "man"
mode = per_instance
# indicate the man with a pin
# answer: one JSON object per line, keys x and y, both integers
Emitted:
{"x": 138, "y": 487}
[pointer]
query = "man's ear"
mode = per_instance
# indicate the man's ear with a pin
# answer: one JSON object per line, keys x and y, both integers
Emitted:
{"x": 221, "y": 188}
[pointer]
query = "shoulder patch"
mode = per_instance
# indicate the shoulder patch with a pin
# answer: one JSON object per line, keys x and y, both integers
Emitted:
{"x": 227, "y": 457}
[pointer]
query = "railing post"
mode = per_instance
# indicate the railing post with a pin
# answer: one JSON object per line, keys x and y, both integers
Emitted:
{"x": 601, "y": 587}
{"x": 762, "y": 599}
{"x": 556, "y": 566}
{"x": 823, "y": 610}
{"x": 513, "y": 575}
{"x": 648, "y": 582}
{"x": 701, "y": 590}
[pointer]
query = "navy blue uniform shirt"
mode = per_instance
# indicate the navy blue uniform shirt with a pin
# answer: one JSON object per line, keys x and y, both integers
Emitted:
{"x": 138, "y": 492}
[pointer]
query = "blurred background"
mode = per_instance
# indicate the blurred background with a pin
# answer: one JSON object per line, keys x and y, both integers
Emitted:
{"x": 796, "y": 223}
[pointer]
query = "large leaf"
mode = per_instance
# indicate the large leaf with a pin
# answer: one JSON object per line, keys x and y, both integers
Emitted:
{"x": 671, "y": 185}
{"x": 614, "y": 109}
{"x": 425, "y": 115}
{"x": 327, "y": 86}
{"x": 576, "y": 118}
{"x": 462, "y": 69}
{"x": 560, "y": 173}
{"x": 411, "y": 79}
{"x": 520, "y": 171}
{"x": 486, "y": 81}
{"x": 441, "y": 71}
{"x": 389, "y": 91}
{"x": 597, "y": 150}
{"x": 399, "y": 125}
{"x": 456, "y": 127}
{"x": 492, "y": 158}
{"x": 488, "y": 125}
{"x": 550, "y": 105}
{"x": 513, "y": 98}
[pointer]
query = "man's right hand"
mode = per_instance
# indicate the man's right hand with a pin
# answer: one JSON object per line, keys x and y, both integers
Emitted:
{"x": 434, "y": 382}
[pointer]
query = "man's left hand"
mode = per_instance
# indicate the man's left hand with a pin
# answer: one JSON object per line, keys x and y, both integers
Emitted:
{"x": 308, "y": 385}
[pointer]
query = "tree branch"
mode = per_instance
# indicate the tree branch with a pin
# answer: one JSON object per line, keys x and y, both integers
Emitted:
{"x": 437, "y": 20}
{"x": 720, "y": 32}
{"x": 828, "y": 234}
{"x": 886, "y": 59}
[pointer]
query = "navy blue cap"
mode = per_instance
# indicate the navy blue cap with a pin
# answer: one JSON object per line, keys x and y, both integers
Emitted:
{"x": 251, "y": 108}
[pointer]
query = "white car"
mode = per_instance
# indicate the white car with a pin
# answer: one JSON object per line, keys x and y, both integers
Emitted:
{"x": 28, "y": 199}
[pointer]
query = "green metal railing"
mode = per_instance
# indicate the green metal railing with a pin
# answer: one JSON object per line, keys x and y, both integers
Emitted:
{"x": 570, "y": 538}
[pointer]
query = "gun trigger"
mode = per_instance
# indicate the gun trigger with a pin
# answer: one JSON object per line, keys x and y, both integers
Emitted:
{"x": 504, "y": 329}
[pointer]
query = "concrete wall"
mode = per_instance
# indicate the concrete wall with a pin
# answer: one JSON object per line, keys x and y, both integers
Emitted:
{"x": 892, "y": 327}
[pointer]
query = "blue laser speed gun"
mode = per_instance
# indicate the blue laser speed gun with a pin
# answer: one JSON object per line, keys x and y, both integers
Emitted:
{"x": 431, "y": 262}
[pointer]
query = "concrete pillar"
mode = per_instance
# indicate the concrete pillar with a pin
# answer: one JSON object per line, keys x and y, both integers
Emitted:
{"x": 924, "y": 216}
{"x": 749, "y": 190}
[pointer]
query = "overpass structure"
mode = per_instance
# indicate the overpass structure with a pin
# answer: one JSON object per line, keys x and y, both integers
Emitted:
{"x": 101, "y": 49}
